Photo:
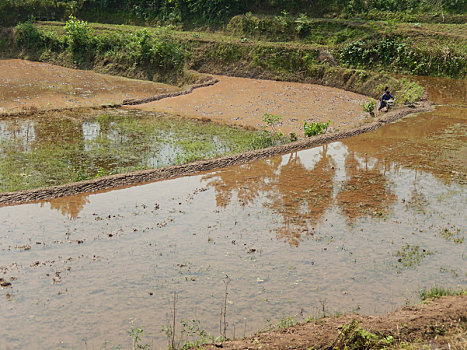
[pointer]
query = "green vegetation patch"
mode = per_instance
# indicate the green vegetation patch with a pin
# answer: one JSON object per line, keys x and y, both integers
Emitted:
{"x": 50, "y": 151}
{"x": 453, "y": 235}
{"x": 396, "y": 53}
{"x": 411, "y": 256}
{"x": 352, "y": 336}
{"x": 154, "y": 55}
{"x": 438, "y": 292}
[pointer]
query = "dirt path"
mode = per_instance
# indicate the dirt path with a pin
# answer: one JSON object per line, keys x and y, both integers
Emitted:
{"x": 439, "y": 324}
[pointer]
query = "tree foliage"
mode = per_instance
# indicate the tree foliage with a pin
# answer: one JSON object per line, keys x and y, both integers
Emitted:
{"x": 206, "y": 11}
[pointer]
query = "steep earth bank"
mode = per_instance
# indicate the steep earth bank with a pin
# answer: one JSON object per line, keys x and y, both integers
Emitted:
{"x": 438, "y": 324}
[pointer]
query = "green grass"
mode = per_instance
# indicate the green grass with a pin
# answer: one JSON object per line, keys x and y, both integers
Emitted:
{"x": 438, "y": 292}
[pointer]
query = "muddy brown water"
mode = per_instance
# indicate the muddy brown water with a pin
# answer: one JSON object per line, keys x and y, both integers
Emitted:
{"x": 360, "y": 224}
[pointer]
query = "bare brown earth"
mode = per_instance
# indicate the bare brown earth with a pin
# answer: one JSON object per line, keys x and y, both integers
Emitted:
{"x": 438, "y": 324}
{"x": 33, "y": 86}
{"x": 243, "y": 102}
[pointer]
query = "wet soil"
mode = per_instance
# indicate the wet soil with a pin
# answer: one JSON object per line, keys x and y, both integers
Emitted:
{"x": 242, "y": 101}
{"x": 34, "y": 86}
{"x": 362, "y": 224}
{"x": 437, "y": 324}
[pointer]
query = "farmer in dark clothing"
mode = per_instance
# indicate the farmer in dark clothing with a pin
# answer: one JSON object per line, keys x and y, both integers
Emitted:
{"x": 386, "y": 97}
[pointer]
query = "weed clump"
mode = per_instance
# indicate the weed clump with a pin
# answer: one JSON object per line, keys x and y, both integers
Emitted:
{"x": 454, "y": 235}
{"x": 438, "y": 292}
{"x": 369, "y": 107}
{"x": 353, "y": 337}
{"x": 312, "y": 129}
{"x": 411, "y": 255}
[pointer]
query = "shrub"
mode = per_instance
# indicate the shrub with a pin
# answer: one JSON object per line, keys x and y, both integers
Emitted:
{"x": 79, "y": 34}
{"x": 272, "y": 120}
{"x": 312, "y": 129}
{"x": 369, "y": 107}
{"x": 27, "y": 35}
{"x": 302, "y": 25}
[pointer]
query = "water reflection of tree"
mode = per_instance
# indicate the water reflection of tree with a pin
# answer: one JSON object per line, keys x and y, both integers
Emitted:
{"x": 366, "y": 192}
{"x": 301, "y": 196}
{"x": 68, "y": 206}
{"x": 298, "y": 195}
{"x": 247, "y": 180}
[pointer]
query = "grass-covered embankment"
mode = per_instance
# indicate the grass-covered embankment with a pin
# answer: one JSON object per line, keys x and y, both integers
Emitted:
{"x": 155, "y": 56}
{"x": 391, "y": 46}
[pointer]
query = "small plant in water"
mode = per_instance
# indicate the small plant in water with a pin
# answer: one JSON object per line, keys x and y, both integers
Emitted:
{"x": 411, "y": 255}
{"x": 438, "y": 292}
{"x": 136, "y": 333}
{"x": 196, "y": 336}
{"x": 454, "y": 235}
{"x": 312, "y": 129}
{"x": 369, "y": 107}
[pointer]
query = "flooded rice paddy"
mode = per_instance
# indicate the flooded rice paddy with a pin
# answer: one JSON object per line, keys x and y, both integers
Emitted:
{"x": 360, "y": 224}
{"x": 68, "y": 146}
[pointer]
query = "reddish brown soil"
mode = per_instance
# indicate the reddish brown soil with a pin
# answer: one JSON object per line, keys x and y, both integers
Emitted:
{"x": 32, "y": 86}
{"x": 242, "y": 101}
{"x": 439, "y": 324}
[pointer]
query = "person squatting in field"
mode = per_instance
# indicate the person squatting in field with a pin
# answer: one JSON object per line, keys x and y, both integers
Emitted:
{"x": 384, "y": 100}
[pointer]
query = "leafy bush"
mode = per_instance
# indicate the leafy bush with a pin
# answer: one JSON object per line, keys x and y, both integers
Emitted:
{"x": 79, "y": 34}
{"x": 303, "y": 26}
{"x": 27, "y": 35}
{"x": 409, "y": 91}
{"x": 312, "y": 129}
{"x": 272, "y": 120}
{"x": 159, "y": 50}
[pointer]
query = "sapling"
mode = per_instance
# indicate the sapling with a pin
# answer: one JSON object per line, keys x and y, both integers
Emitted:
{"x": 369, "y": 107}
